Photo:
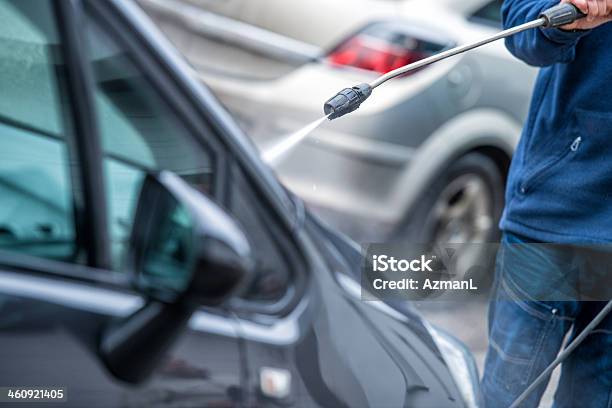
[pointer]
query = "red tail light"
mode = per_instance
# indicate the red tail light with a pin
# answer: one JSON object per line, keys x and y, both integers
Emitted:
{"x": 382, "y": 48}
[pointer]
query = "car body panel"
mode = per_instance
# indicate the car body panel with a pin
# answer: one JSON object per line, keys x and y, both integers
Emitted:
{"x": 327, "y": 360}
{"x": 49, "y": 337}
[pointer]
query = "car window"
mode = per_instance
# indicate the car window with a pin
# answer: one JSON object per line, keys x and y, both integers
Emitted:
{"x": 273, "y": 268}
{"x": 36, "y": 198}
{"x": 139, "y": 133}
{"x": 490, "y": 13}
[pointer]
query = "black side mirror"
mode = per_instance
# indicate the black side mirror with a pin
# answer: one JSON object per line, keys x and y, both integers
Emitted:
{"x": 184, "y": 248}
{"x": 185, "y": 252}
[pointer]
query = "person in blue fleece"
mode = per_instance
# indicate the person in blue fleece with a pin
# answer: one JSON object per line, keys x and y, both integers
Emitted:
{"x": 559, "y": 191}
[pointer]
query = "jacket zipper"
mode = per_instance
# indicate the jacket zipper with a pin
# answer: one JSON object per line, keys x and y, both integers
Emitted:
{"x": 576, "y": 144}
{"x": 536, "y": 176}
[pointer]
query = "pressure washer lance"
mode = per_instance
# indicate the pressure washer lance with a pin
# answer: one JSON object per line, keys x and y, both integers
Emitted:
{"x": 349, "y": 99}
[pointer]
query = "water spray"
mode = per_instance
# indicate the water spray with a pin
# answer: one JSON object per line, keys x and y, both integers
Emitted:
{"x": 279, "y": 151}
{"x": 349, "y": 99}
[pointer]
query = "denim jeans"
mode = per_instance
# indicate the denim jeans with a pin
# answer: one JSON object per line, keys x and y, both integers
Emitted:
{"x": 526, "y": 334}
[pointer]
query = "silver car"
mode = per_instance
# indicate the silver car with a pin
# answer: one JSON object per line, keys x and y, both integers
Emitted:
{"x": 425, "y": 157}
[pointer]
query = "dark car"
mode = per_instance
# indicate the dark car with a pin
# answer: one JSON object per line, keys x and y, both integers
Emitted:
{"x": 149, "y": 258}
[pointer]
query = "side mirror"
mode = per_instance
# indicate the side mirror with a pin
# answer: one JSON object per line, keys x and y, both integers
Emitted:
{"x": 184, "y": 248}
{"x": 185, "y": 252}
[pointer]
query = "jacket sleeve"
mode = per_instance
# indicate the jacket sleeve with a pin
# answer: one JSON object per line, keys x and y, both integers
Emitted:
{"x": 541, "y": 46}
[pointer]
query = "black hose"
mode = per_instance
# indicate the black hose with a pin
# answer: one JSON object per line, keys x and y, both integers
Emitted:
{"x": 564, "y": 354}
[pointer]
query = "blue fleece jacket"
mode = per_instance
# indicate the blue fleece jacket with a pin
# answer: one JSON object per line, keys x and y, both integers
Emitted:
{"x": 560, "y": 183}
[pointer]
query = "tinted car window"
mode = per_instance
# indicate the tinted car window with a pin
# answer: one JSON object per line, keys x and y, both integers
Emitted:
{"x": 272, "y": 268}
{"x": 140, "y": 133}
{"x": 490, "y": 13}
{"x": 36, "y": 205}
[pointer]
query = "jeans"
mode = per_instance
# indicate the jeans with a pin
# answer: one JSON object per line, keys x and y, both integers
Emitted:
{"x": 526, "y": 334}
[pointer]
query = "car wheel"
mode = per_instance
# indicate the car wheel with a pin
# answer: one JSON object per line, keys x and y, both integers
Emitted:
{"x": 463, "y": 205}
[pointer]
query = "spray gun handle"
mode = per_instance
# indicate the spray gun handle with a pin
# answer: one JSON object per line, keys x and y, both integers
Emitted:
{"x": 561, "y": 14}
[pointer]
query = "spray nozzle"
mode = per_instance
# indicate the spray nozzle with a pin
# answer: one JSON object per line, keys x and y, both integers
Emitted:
{"x": 346, "y": 101}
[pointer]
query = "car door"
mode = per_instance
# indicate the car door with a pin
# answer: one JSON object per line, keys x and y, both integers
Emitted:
{"x": 66, "y": 205}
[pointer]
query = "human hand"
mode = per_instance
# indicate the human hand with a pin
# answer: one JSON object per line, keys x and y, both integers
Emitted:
{"x": 598, "y": 12}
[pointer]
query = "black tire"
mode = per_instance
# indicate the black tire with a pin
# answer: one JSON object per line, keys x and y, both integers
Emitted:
{"x": 420, "y": 225}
